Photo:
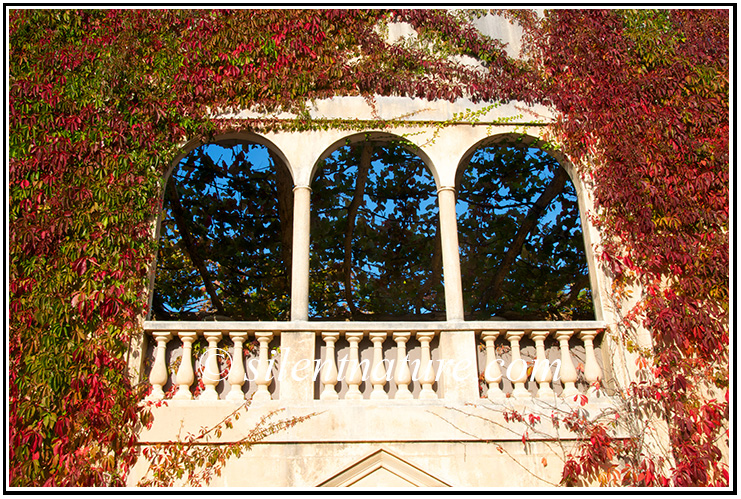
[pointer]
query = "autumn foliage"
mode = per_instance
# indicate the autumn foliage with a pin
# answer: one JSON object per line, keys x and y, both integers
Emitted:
{"x": 100, "y": 102}
{"x": 644, "y": 97}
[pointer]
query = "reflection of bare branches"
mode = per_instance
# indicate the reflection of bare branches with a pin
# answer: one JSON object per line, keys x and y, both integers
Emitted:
{"x": 492, "y": 290}
{"x": 499, "y": 447}
{"x": 352, "y": 211}
{"x": 190, "y": 245}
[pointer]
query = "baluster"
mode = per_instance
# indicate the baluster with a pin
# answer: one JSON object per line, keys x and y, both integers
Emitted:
{"x": 354, "y": 374}
{"x": 378, "y": 373}
{"x": 264, "y": 376}
{"x": 211, "y": 371}
{"x": 592, "y": 371}
{"x": 329, "y": 368}
{"x": 542, "y": 368}
{"x": 492, "y": 374}
{"x": 185, "y": 376}
{"x": 427, "y": 371}
{"x": 402, "y": 376}
{"x": 517, "y": 370}
{"x": 568, "y": 372}
{"x": 158, "y": 376}
{"x": 236, "y": 371}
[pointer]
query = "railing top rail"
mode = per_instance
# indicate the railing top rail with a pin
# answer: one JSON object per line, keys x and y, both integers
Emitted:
{"x": 344, "y": 326}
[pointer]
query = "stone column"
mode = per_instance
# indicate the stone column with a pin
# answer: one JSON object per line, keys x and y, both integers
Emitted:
{"x": 457, "y": 348}
{"x": 451, "y": 258}
{"x": 297, "y": 348}
{"x": 300, "y": 259}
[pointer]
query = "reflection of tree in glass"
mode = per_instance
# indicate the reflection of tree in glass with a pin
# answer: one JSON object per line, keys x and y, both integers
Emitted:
{"x": 225, "y": 238}
{"x": 375, "y": 245}
{"x": 522, "y": 250}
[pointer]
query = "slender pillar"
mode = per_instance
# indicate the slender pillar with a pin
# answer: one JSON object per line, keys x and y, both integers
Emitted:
{"x": 185, "y": 376}
{"x": 264, "y": 376}
{"x": 158, "y": 375}
{"x": 517, "y": 371}
{"x": 236, "y": 371}
{"x": 427, "y": 370}
{"x": 211, "y": 371}
{"x": 378, "y": 373}
{"x": 300, "y": 252}
{"x": 543, "y": 374}
{"x": 354, "y": 374}
{"x": 592, "y": 371}
{"x": 402, "y": 375}
{"x": 492, "y": 374}
{"x": 329, "y": 368}
{"x": 568, "y": 372}
{"x": 451, "y": 257}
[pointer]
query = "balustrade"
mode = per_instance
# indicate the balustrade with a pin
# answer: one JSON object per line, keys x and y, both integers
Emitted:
{"x": 378, "y": 361}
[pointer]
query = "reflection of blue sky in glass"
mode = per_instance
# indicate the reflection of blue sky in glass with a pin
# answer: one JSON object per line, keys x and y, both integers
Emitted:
{"x": 220, "y": 188}
{"x": 506, "y": 205}
{"x": 255, "y": 154}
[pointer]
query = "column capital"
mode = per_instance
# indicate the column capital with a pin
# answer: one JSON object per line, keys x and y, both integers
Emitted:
{"x": 354, "y": 335}
{"x": 539, "y": 334}
{"x": 238, "y": 335}
{"x": 587, "y": 334}
{"x": 330, "y": 336}
{"x": 425, "y": 335}
{"x": 212, "y": 335}
{"x": 514, "y": 335}
{"x": 377, "y": 335}
{"x": 264, "y": 336}
{"x": 492, "y": 335}
{"x": 190, "y": 336}
{"x": 402, "y": 335}
{"x": 162, "y": 336}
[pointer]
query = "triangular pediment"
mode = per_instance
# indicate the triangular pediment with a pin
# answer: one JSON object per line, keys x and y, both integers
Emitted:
{"x": 382, "y": 469}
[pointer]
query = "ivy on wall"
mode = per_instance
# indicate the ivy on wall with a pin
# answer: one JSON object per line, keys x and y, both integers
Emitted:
{"x": 644, "y": 98}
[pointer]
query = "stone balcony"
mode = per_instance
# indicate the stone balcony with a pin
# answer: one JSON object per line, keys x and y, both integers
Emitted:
{"x": 433, "y": 392}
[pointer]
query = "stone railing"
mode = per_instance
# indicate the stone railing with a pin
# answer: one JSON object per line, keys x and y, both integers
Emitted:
{"x": 303, "y": 361}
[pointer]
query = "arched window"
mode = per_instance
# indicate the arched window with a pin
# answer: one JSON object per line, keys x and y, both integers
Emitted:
{"x": 520, "y": 237}
{"x": 375, "y": 249}
{"x": 225, "y": 236}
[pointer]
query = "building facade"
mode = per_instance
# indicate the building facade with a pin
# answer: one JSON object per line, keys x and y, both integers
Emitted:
{"x": 392, "y": 404}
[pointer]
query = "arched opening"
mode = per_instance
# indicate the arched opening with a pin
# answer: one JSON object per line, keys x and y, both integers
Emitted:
{"x": 520, "y": 236}
{"x": 375, "y": 248}
{"x": 225, "y": 236}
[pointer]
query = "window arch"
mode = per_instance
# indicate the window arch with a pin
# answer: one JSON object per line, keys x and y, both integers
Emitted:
{"x": 375, "y": 248}
{"x": 520, "y": 235}
{"x": 225, "y": 235}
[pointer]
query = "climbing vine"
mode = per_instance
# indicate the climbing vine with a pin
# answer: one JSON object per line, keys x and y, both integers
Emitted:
{"x": 643, "y": 98}
{"x": 95, "y": 123}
